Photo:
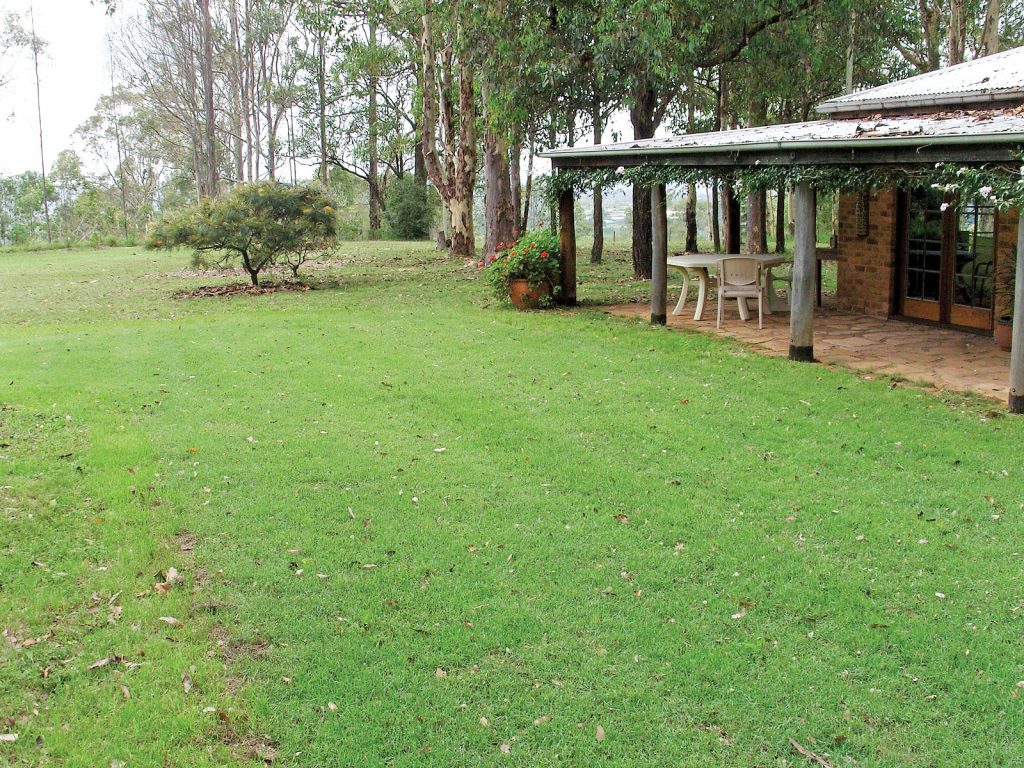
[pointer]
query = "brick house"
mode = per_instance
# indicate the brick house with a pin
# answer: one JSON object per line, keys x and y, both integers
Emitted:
{"x": 913, "y": 253}
{"x": 923, "y": 255}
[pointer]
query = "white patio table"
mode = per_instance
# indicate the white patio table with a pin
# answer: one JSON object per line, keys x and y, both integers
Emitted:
{"x": 700, "y": 264}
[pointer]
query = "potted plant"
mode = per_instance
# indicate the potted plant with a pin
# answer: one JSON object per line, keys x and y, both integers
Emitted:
{"x": 1007, "y": 278}
{"x": 526, "y": 271}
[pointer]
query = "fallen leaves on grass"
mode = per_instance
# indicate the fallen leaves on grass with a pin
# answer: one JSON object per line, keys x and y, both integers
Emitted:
{"x": 167, "y": 582}
{"x": 599, "y": 734}
{"x": 506, "y": 748}
{"x": 186, "y": 681}
{"x": 541, "y": 720}
{"x": 10, "y": 738}
{"x": 176, "y": 623}
{"x": 808, "y": 754}
{"x": 99, "y": 663}
{"x": 240, "y": 289}
{"x": 440, "y": 673}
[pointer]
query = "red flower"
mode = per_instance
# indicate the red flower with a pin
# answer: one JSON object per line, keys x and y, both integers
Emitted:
{"x": 543, "y": 254}
{"x": 480, "y": 263}
{"x": 500, "y": 246}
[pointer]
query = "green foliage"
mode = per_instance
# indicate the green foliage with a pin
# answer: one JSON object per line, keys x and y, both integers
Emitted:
{"x": 411, "y": 209}
{"x": 533, "y": 257}
{"x": 264, "y": 224}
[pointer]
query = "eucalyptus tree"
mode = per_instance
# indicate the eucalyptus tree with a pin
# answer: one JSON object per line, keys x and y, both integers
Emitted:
{"x": 450, "y": 113}
{"x": 651, "y": 51}
{"x": 161, "y": 52}
{"x": 13, "y": 39}
{"x": 139, "y": 172}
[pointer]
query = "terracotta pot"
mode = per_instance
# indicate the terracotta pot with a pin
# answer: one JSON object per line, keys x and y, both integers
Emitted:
{"x": 524, "y": 297}
{"x": 1004, "y": 332}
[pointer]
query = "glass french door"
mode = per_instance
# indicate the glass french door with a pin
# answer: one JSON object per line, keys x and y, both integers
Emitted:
{"x": 948, "y": 259}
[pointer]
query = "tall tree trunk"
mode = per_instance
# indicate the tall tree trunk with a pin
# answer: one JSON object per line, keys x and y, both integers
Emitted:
{"x": 597, "y": 248}
{"x": 780, "y": 221}
{"x": 235, "y": 82}
{"x": 321, "y": 87}
{"x": 731, "y": 213}
{"x": 268, "y": 105}
{"x": 990, "y": 30}
{"x": 957, "y": 31}
{"x": 121, "y": 181}
{"x": 455, "y": 180}
{"x": 644, "y": 121}
{"x": 691, "y": 219}
{"x": 419, "y": 167}
{"x": 515, "y": 180}
{"x": 499, "y": 212}
{"x": 851, "y": 48}
{"x": 716, "y": 215}
{"x": 37, "y": 46}
{"x": 930, "y": 17}
{"x": 524, "y": 220}
{"x": 691, "y": 189}
{"x": 373, "y": 128}
{"x": 757, "y": 237}
{"x": 210, "y": 115}
{"x": 552, "y": 143}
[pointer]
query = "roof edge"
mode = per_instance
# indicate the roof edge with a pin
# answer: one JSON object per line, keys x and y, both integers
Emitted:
{"x": 835, "y": 106}
{"x": 890, "y": 141}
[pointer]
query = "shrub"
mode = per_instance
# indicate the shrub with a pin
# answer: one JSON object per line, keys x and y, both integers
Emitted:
{"x": 265, "y": 223}
{"x": 410, "y": 209}
{"x": 533, "y": 257}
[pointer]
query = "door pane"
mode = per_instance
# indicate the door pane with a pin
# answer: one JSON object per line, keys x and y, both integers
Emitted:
{"x": 924, "y": 254}
{"x": 975, "y": 255}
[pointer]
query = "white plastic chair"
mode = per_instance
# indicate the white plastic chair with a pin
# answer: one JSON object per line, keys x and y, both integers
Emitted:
{"x": 739, "y": 277}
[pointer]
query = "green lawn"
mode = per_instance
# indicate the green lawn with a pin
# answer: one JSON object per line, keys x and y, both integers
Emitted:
{"x": 415, "y": 527}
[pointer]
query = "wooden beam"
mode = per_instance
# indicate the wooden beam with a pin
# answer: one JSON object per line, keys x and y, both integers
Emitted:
{"x": 567, "y": 247}
{"x": 801, "y": 305}
{"x": 1017, "y": 350}
{"x": 911, "y": 156}
{"x": 659, "y": 263}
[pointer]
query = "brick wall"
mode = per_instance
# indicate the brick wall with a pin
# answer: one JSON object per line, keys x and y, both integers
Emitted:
{"x": 1006, "y": 246}
{"x": 867, "y": 263}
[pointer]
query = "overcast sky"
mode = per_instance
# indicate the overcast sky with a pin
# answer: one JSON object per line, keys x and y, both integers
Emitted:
{"x": 73, "y": 74}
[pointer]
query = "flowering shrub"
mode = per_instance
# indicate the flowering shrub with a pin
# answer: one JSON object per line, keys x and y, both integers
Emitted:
{"x": 533, "y": 257}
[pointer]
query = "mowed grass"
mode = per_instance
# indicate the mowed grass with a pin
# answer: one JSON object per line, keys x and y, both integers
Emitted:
{"x": 417, "y": 528}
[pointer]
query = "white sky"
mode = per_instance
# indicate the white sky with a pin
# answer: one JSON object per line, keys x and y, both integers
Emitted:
{"x": 74, "y": 74}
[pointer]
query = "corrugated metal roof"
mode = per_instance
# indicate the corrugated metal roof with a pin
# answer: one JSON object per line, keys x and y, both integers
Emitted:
{"x": 995, "y": 78}
{"x": 1006, "y": 126}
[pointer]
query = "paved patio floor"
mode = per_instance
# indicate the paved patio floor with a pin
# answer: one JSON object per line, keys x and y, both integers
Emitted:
{"x": 940, "y": 357}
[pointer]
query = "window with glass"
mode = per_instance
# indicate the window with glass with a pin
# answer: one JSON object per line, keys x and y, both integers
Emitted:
{"x": 975, "y": 255}
{"x": 924, "y": 251}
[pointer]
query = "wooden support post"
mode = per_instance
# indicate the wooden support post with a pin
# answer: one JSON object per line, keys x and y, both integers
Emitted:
{"x": 567, "y": 247}
{"x": 659, "y": 263}
{"x": 1017, "y": 350}
{"x": 801, "y": 307}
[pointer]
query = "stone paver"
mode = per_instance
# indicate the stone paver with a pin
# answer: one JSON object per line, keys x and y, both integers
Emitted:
{"x": 942, "y": 357}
